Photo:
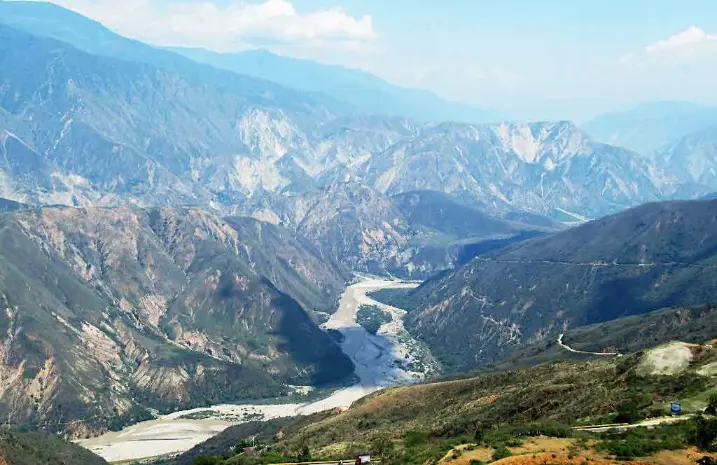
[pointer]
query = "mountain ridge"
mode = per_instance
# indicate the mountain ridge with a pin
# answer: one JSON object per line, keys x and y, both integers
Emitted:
{"x": 646, "y": 258}
{"x": 123, "y": 309}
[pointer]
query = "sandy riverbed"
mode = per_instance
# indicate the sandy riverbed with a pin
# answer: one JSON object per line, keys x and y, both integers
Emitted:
{"x": 381, "y": 360}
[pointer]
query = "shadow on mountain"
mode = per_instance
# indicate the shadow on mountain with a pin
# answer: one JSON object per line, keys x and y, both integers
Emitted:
{"x": 308, "y": 347}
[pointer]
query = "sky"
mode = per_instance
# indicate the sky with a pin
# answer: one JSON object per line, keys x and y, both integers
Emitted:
{"x": 530, "y": 57}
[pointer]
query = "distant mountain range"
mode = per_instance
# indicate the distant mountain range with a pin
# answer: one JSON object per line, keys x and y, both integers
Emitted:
{"x": 647, "y": 258}
{"x": 357, "y": 88}
{"x": 649, "y": 127}
{"x": 173, "y": 131}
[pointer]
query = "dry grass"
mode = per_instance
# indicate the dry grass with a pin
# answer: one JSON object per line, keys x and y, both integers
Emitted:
{"x": 557, "y": 451}
{"x": 555, "y": 459}
{"x": 679, "y": 457}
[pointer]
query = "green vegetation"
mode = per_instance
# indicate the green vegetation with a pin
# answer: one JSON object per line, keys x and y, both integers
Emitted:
{"x": 712, "y": 404}
{"x": 501, "y": 453}
{"x": 399, "y": 298}
{"x": 372, "y": 318}
{"x": 642, "y": 442}
{"x": 513, "y": 435}
{"x": 421, "y": 423}
{"x": 524, "y": 285}
{"x": 35, "y": 448}
{"x": 627, "y": 335}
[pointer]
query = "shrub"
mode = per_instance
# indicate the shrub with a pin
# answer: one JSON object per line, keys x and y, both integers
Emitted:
{"x": 414, "y": 438}
{"x": 704, "y": 434}
{"x": 206, "y": 461}
{"x": 304, "y": 455}
{"x": 501, "y": 453}
{"x": 372, "y": 318}
{"x": 712, "y": 404}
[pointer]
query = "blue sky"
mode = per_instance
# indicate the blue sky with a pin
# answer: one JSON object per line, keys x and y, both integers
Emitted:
{"x": 523, "y": 55}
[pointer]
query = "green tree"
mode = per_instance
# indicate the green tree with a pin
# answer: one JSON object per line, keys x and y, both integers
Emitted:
{"x": 304, "y": 455}
{"x": 381, "y": 447}
{"x": 704, "y": 434}
{"x": 480, "y": 434}
{"x": 501, "y": 453}
{"x": 712, "y": 404}
{"x": 206, "y": 461}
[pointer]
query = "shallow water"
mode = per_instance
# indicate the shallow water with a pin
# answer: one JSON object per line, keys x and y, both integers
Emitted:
{"x": 378, "y": 359}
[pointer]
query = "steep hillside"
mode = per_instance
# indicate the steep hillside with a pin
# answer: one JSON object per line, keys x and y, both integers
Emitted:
{"x": 174, "y": 307}
{"x": 412, "y": 235}
{"x": 8, "y": 205}
{"x": 693, "y": 158}
{"x": 649, "y": 127}
{"x": 357, "y": 87}
{"x": 624, "y": 335}
{"x": 36, "y": 449}
{"x": 495, "y": 408}
{"x": 87, "y": 130}
{"x": 548, "y": 168}
{"x": 439, "y": 212}
{"x": 110, "y": 129}
{"x": 651, "y": 257}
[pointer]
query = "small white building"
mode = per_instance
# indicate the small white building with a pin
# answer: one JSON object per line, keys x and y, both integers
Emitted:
{"x": 364, "y": 458}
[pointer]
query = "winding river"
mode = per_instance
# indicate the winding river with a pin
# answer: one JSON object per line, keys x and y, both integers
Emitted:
{"x": 383, "y": 359}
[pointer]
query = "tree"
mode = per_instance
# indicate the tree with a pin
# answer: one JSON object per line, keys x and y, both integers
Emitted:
{"x": 501, "y": 453}
{"x": 712, "y": 404}
{"x": 206, "y": 461}
{"x": 304, "y": 455}
{"x": 381, "y": 446}
{"x": 480, "y": 434}
{"x": 704, "y": 434}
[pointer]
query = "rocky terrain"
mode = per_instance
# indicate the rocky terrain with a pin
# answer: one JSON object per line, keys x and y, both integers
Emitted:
{"x": 160, "y": 129}
{"x": 108, "y": 312}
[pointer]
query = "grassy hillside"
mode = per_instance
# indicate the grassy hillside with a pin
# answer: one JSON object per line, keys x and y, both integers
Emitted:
{"x": 39, "y": 449}
{"x": 415, "y": 424}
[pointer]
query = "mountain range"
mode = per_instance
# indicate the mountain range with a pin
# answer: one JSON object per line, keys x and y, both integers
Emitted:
{"x": 175, "y": 131}
{"x": 647, "y": 258}
{"x": 111, "y": 312}
{"x": 649, "y": 127}
{"x": 176, "y": 224}
{"x": 356, "y": 88}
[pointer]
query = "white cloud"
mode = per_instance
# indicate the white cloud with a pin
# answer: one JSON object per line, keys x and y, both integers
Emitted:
{"x": 229, "y": 26}
{"x": 689, "y": 41}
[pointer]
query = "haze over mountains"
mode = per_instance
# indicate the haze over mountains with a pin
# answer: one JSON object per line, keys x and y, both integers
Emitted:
{"x": 176, "y": 224}
{"x": 233, "y": 143}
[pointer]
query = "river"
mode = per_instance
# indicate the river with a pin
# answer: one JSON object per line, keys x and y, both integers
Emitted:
{"x": 387, "y": 358}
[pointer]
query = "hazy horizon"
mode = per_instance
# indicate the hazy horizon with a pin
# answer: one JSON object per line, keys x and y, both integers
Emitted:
{"x": 518, "y": 58}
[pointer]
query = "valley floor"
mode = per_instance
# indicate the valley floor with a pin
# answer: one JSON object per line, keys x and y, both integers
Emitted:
{"x": 384, "y": 359}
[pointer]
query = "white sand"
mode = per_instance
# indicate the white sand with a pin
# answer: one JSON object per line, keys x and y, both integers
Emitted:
{"x": 379, "y": 361}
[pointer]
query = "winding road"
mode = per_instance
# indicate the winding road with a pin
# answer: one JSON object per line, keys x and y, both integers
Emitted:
{"x": 570, "y": 349}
